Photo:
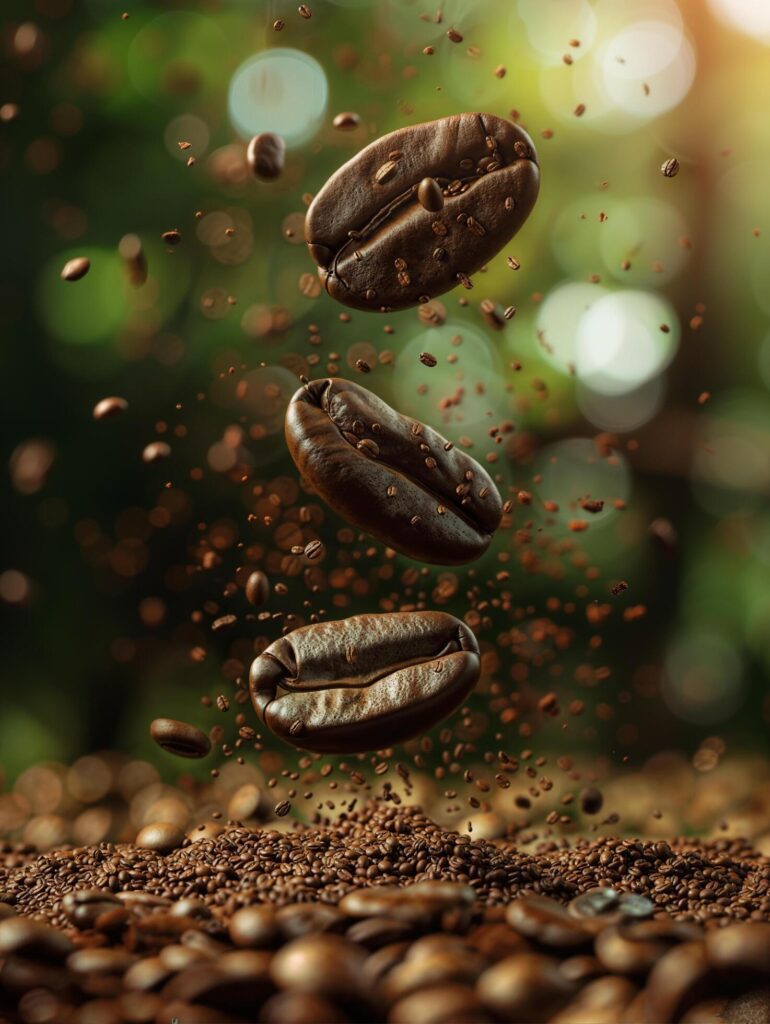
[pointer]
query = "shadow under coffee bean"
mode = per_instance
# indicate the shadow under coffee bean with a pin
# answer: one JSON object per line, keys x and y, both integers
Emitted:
{"x": 366, "y": 682}
{"x": 377, "y": 245}
{"x": 392, "y": 476}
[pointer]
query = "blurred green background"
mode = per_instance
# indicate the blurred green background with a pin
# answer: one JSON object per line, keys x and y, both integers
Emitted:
{"x": 115, "y": 569}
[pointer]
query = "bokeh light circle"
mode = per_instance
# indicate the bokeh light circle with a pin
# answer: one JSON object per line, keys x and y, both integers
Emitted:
{"x": 283, "y": 91}
{"x": 620, "y": 344}
{"x": 751, "y": 17}
{"x": 551, "y": 24}
{"x": 646, "y": 232}
{"x": 647, "y": 68}
{"x": 557, "y": 321}
{"x": 703, "y": 680}
{"x": 622, "y": 412}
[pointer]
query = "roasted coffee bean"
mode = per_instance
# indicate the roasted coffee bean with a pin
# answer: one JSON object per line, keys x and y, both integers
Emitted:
{"x": 300, "y": 1008}
{"x": 677, "y": 981}
{"x": 601, "y": 1002}
{"x": 84, "y": 906}
{"x": 747, "y": 1008}
{"x": 254, "y": 927}
{"x": 265, "y": 155}
{"x": 633, "y": 949}
{"x": 495, "y": 941}
{"x": 180, "y": 738}
{"x": 670, "y": 168}
{"x": 75, "y": 268}
{"x": 422, "y": 904}
{"x": 547, "y": 922}
{"x": 441, "y": 1004}
{"x": 109, "y": 407}
{"x": 743, "y": 948}
{"x": 100, "y": 961}
{"x": 161, "y": 836}
{"x": 365, "y": 682}
{"x": 20, "y": 935}
{"x": 390, "y": 475}
{"x": 430, "y": 195}
{"x": 376, "y": 932}
{"x": 591, "y": 800}
{"x": 257, "y": 588}
{"x": 346, "y": 121}
{"x": 148, "y": 973}
{"x": 607, "y": 905}
{"x": 525, "y": 989}
{"x": 297, "y": 919}
{"x": 486, "y": 168}
{"x": 440, "y": 967}
{"x": 215, "y": 985}
{"x": 384, "y": 960}
{"x": 321, "y": 965}
{"x": 248, "y": 801}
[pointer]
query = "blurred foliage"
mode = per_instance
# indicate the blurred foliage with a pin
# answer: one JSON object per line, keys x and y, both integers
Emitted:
{"x": 93, "y": 153}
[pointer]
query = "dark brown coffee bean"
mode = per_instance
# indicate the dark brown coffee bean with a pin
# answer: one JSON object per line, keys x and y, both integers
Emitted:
{"x": 376, "y": 932}
{"x": 677, "y": 981}
{"x": 742, "y": 948}
{"x": 321, "y": 965}
{"x": 172, "y": 237}
{"x": 384, "y": 960}
{"x": 179, "y": 738}
{"x": 148, "y": 973}
{"x": 162, "y": 836}
{"x": 109, "y": 407}
{"x": 601, "y": 1002}
{"x": 495, "y": 941}
{"x": 440, "y": 967}
{"x": 547, "y": 922}
{"x": 347, "y": 121}
{"x": 364, "y": 682}
{"x": 75, "y": 268}
{"x": 265, "y": 155}
{"x": 633, "y": 949}
{"x": 234, "y": 989}
{"x": 427, "y": 359}
{"x": 610, "y": 906}
{"x": 257, "y": 588}
{"x": 423, "y": 904}
{"x": 445, "y": 512}
{"x": 100, "y": 961}
{"x": 528, "y": 988}
{"x": 155, "y": 451}
{"x": 372, "y": 206}
{"x": 254, "y": 927}
{"x": 20, "y": 935}
{"x": 430, "y": 196}
{"x": 84, "y": 906}
{"x": 591, "y": 800}
{"x": 297, "y": 919}
{"x": 440, "y": 1004}
{"x": 300, "y": 1008}
{"x": 670, "y": 168}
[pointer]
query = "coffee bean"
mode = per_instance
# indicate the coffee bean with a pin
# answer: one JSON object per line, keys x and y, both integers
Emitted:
{"x": 427, "y": 359}
{"x": 155, "y": 451}
{"x": 254, "y": 927}
{"x": 744, "y": 947}
{"x": 364, "y": 682}
{"x": 248, "y": 801}
{"x": 108, "y": 407}
{"x": 591, "y": 800}
{"x": 440, "y": 967}
{"x": 677, "y": 981}
{"x": 301, "y": 1008}
{"x": 265, "y": 155}
{"x": 84, "y": 906}
{"x": 257, "y": 588}
{"x": 635, "y": 949}
{"x": 160, "y": 835}
{"x": 297, "y": 919}
{"x": 430, "y": 196}
{"x": 376, "y": 932}
{"x": 670, "y": 168}
{"x": 528, "y": 988}
{"x": 372, "y": 206}
{"x": 321, "y": 965}
{"x": 100, "y": 961}
{"x": 75, "y": 268}
{"x": 546, "y": 921}
{"x": 179, "y": 738}
{"x": 423, "y": 904}
{"x": 20, "y": 935}
{"x": 440, "y": 1004}
{"x": 172, "y": 237}
{"x": 600, "y": 1002}
{"x": 347, "y": 121}
{"x": 610, "y": 905}
{"x": 342, "y": 465}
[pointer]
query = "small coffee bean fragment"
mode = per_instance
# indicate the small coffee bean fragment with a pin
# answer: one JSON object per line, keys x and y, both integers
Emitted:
{"x": 179, "y": 738}
{"x": 265, "y": 155}
{"x": 430, "y": 196}
{"x": 108, "y": 407}
{"x": 75, "y": 269}
{"x": 347, "y": 121}
{"x": 670, "y": 168}
{"x": 155, "y": 451}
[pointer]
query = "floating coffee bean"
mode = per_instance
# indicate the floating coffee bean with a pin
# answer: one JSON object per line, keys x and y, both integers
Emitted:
{"x": 265, "y": 155}
{"x": 161, "y": 836}
{"x": 75, "y": 268}
{"x": 366, "y": 682}
{"x": 257, "y": 588}
{"x": 370, "y": 214}
{"x": 180, "y": 738}
{"x": 108, "y": 407}
{"x": 390, "y": 475}
{"x": 347, "y": 121}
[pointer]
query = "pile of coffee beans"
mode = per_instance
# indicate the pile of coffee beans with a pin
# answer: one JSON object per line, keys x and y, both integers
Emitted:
{"x": 142, "y": 938}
